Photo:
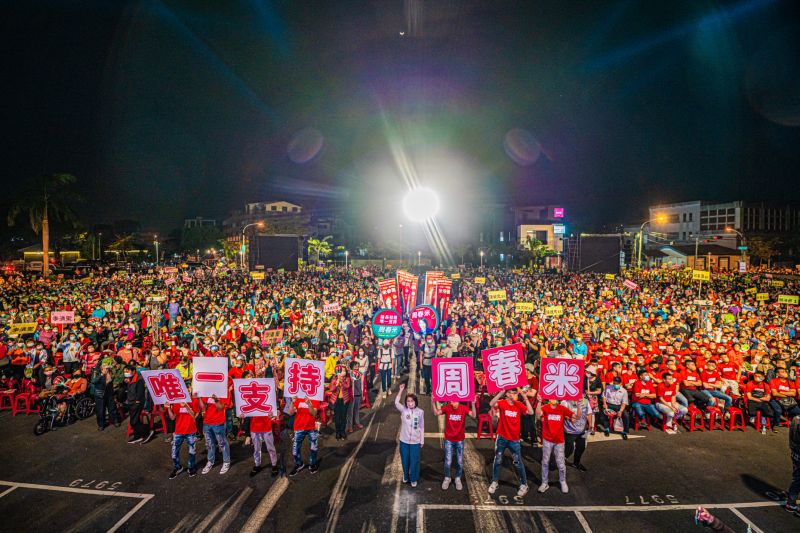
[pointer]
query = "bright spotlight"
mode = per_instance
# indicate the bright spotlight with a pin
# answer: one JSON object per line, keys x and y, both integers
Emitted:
{"x": 421, "y": 204}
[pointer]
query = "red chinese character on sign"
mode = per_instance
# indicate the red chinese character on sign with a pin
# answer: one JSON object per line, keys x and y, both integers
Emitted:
{"x": 305, "y": 378}
{"x": 255, "y": 397}
{"x": 169, "y": 385}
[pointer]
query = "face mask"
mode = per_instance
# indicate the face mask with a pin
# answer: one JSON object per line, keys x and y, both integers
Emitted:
{"x": 73, "y": 338}
{"x": 645, "y": 378}
{"x": 48, "y": 374}
{"x": 128, "y": 375}
{"x": 617, "y": 387}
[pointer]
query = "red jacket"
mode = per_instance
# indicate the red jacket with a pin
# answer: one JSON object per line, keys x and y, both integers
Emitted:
{"x": 346, "y": 386}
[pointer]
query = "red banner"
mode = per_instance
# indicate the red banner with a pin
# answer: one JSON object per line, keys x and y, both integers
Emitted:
{"x": 389, "y": 296}
{"x": 431, "y": 278}
{"x": 441, "y": 298}
{"x": 408, "y": 285}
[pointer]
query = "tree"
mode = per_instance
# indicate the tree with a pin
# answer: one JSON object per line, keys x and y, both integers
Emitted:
{"x": 122, "y": 243}
{"x": 200, "y": 238}
{"x": 762, "y": 248}
{"x": 320, "y": 247}
{"x": 45, "y": 196}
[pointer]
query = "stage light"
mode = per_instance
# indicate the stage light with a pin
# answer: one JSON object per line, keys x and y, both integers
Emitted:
{"x": 421, "y": 204}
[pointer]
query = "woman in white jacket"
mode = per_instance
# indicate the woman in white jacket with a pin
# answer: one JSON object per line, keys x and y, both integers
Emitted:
{"x": 412, "y": 435}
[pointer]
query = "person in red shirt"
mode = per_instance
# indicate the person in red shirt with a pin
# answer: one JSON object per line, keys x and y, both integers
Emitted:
{"x": 213, "y": 410}
{"x": 184, "y": 415}
{"x": 455, "y": 419}
{"x": 261, "y": 433}
{"x": 730, "y": 373}
{"x": 758, "y": 396}
{"x": 305, "y": 425}
{"x": 783, "y": 397}
{"x": 644, "y": 396}
{"x": 713, "y": 384}
{"x": 690, "y": 387}
{"x": 508, "y": 435}
{"x": 667, "y": 401}
{"x": 553, "y": 416}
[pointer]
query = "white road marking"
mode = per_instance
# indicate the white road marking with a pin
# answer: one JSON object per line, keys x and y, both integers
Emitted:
{"x": 583, "y": 522}
{"x": 85, "y": 522}
{"x": 595, "y": 508}
{"x": 265, "y": 506}
{"x": 8, "y": 491}
{"x": 183, "y": 525}
{"x": 210, "y": 517}
{"x": 129, "y": 514}
{"x": 746, "y": 521}
{"x": 231, "y": 512}
{"x": 472, "y": 435}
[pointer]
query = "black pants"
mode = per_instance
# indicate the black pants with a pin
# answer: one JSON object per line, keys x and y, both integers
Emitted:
{"x": 574, "y": 441}
{"x": 18, "y": 371}
{"x": 340, "y": 416}
{"x": 103, "y": 404}
{"x": 406, "y": 349}
{"x": 759, "y": 407}
{"x": 69, "y": 367}
{"x": 528, "y": 429}
{"x": 626, "y": 418}
{"x": 140, "y": 429}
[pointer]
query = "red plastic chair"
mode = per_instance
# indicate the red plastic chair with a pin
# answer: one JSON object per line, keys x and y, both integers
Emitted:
{"x": 7, "y": 399}
{"x": 715, "y": 419}
{"x": 692, "y": 417}
{"x": 22, "y": 403}
{"x": 737, "y": 414}
{"x": 161, "y": 413}
{"x": 758, "y": 421}
{"x": 638, "y": 422}
{"x": 484, "y": 420}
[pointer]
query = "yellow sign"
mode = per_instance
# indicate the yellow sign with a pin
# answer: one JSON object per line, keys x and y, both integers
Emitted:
{"x": 701, "y": 275}
{"x": 456, "y": 276}
{"x": 497, "y": 296}
{"x": 611, "y": 276}
{"x": 320, "y": 269}
{"x": 524, "y": 307}
{"x": 762, "y": 297}
{"x": 553, "y": 310}
{"x": 480, "y": 281}
{"x": 750, "y": 290}
{"x": 790, "y": 300}
{"x": 257, "y": 275}
{"x": 777, "y": 283}
{"x": 23, "y": 328}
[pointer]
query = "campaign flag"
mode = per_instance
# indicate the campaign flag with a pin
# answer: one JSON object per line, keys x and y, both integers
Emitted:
{"x": 701, "y": 275}
{"x": 389, "y": 297}
{"x": 272, "y": 336}
{"x": 497, "y": 296}
{"x": 554, "y": 310}
{"x": 255, "y": 397}
{"x": 431, "y": 277}
{"x": 524, "y": 307}
{"x": 331, "y": 307}
{"x": 62, "y": 317}
{"x": 750, "y": 290}
{"x": 504, "y": 367}
{"x": 257, "y": 275}
{"x": 453, "y": 379}
{"x": 424, "y": 319}
{"x": 788, "y": 299}
{"x": 210, "y": 376}
{"x": 442, "y": 295}
{"x": 762, "y": 296}
{"x": 408, "y": 285}
{"x": 631, "y": 285}
{"x": 186, "y": 279}
{"x": 387, "y": 324}
{"x": 480, "y": 281}
{"x": 304, "y": 378}
{"x": 166, "y": 386}
{"x": 170, "y": 280}
{"x": 561, "y": 379}
{"x": 22, "y": 328}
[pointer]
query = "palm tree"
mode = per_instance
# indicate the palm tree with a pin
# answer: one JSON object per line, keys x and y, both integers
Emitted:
{"x": 321, "y": 247}
{"x": 45, "y": 196}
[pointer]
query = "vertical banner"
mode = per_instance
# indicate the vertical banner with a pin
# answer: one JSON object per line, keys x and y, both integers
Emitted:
{"x": 453, "y": 379}
{"x": 304, "y": 378}
{"x": 442, "y": 294}
{"x": 408, "y": 285}
{"x": 166, "y": 386}
{"x": 431, "y": 278}
{"x": 210, "y": 376}
{"x": 389, "y": 296}
{"x": 255, "y": 397}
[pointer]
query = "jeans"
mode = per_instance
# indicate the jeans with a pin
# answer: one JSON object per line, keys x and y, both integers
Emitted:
{"x": 577, "y": 442}
{"x": 778, "y": 410}
{"x": 716, "y": 393}
{"x": 215, "y": 435}
{"x": 645, "y": 408}
{"x": 103, "y": 404}
{"x": 557, "y": 450}
{"x": 398, "y": 364}
{"x": 516, "y": 456}
{"x": 409, "y": 456}
{"x": 671, "y": 413}
{"x": 386, "y": 379}
{"x": 177, "y": 441}
{"x": 449, "y": 448}
{"x": 426, "y": 375}
{"x": 265, "y": 438}
{"x": 681, "y": 399}
{"x": 297, "y": 444}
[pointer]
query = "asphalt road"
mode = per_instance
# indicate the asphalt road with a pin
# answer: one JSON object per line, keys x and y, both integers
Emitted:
{"x": 79, "y": 479}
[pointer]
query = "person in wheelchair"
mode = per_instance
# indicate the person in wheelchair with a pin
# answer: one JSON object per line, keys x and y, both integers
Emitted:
{"x": 69, "y": 392}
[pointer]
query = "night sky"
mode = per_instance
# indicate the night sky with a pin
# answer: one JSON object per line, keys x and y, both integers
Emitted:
{"x": 169, "y": 109}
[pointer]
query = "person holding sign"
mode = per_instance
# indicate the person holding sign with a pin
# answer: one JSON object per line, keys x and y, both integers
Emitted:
{"x": 412, "y": 435}
{"x": 455, "y": 420}
{"x": 508, "y": 435}
{"x": 184, "y": 415}
{"x": 261, "y": 433}
{"x": 213, "y": 410}
{"x": 553, "y": 417}
{"x": 305, "y": 425}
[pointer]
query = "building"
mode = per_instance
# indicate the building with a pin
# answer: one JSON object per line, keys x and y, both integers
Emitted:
{"x": 278, "y": 216}
{"x": 545, "y": 223}
{"x": 698, "y": 257}
{"x": 198, "y": 222}
{"x": 275, "y": 207}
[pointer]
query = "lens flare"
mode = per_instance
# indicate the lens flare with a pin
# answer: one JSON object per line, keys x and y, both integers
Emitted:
{"x": 421, "y": 204}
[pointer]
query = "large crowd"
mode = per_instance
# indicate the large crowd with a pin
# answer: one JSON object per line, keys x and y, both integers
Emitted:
{"x": 669, "y": 353}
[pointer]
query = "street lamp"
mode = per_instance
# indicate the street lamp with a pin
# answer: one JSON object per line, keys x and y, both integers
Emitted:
{"x": 659, "y": 218}
{"x": 481, "y": 258}
{"x": 260, "y": 224}
{"x": 346, "y": 253}
{"x": 419, "y": 258}
{"x": 155, "y": 242}
{"x": 100, "y": 246}
{"x": 743, "y": 247}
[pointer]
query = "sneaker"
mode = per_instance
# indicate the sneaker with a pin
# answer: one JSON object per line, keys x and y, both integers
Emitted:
{"x": 624, "y": 436}
{"x": 605, "y": 432}
{"x": 175, "y": 472}
{"x": 459, "y": 486}
{"x": 493, "y": 487}
{"x": 134, "y": 440}
{"x": 255, "y": 470}
{"x": 564, "y": 487}
{"x": 405, "y": 480}
{"x": 296, "y": 470}
{"x": 580, "y": 467}
{"x": 192, "y": 472}
{"x": 543, "y": 487}
{"x": 774, "y": 430}
{"x": 168, "y": 438}
{"x": 313, "y": 469}
{"x": 149, "y": 436}
{"x": 791, "y": 507}
{"x": 446, "y": 483}
{"x": 413, "y": 483}
{"x": 225, "y": 468}
{"x": 763, "y": 431}
{"x": 523, "y": 490}
{"x": 275, "y": 470}
{"x": 207, "y": 468}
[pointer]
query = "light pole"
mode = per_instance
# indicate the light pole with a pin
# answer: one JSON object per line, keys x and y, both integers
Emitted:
{"x": 744, "y": 242}
{"x": 346, "y": 253}
{"x": 155, "y": 242}
{"x": 641, "y": 238}
{"x": 481, "y": 258}
{"x": 419, "y": 258}
{"x": 100, "y": 246}
{"x": 260, "y": 224}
